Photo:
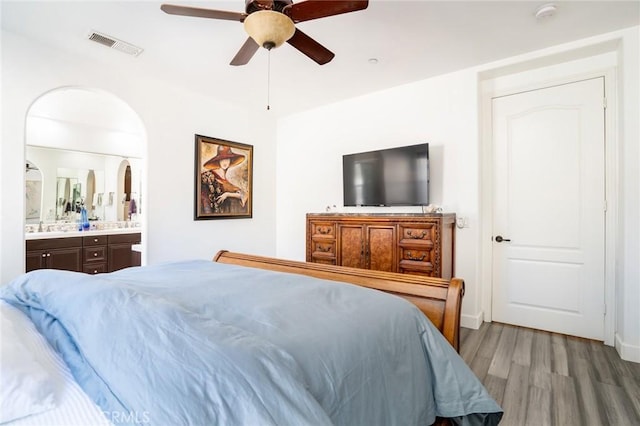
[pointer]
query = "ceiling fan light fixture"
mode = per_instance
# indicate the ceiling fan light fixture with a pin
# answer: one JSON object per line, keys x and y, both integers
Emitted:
{"x": 269, "y": 29}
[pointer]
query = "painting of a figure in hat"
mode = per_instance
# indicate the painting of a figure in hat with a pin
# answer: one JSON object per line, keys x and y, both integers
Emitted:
{"x": 223, "y": 179}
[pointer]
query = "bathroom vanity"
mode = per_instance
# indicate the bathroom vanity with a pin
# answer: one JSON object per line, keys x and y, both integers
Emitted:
{"x": 92, "y": 252}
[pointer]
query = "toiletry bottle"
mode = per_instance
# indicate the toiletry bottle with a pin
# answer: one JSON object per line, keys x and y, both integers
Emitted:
{"x": 84, "y": 218}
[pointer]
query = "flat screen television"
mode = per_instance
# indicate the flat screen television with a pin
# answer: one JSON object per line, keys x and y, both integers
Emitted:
{"x": 387, "y": 177}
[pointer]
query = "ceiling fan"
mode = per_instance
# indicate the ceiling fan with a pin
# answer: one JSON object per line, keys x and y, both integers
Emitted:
{"x": 270, "y": 23}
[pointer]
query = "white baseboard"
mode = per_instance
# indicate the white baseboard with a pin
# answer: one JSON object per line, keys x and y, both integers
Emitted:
{"x": 626, "y": 351}
{"x": 471, "y": 321}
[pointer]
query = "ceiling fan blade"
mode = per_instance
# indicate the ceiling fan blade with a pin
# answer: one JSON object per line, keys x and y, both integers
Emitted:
{"x": 314, "y": 9}
{"x": 246, "y": 52}
{"x": 310, "y": 47}
{"x": 203, "y": 13}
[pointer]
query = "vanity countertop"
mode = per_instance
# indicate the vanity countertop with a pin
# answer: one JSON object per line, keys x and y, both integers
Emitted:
{"x": 63, "y": 234}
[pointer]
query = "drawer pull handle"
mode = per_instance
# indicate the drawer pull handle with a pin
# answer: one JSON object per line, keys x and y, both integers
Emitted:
{"x": 95, "y": 254}
{"x": 44, "y": 254}
{"x": 95, "y": 240}
{"x": 324, "y": 249}
{"x": 420, "y": 259}
{"x": 416, "y": 237}
{"x": 324, "y": 231}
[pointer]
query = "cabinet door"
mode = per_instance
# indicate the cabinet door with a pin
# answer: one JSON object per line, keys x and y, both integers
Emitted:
{"x": 120, "y": 256}
{"x": 136, "y": 258}
{"x": 351, "y": 239}
{"x": 69, "y": 259}
{"x": 36, "y": 259}
{"x": 380, "y": 248}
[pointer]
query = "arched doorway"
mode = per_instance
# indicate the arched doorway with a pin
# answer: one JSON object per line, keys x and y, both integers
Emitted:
{"x": 83, "y": 135}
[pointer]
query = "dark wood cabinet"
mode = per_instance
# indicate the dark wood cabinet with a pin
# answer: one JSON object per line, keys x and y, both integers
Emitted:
{"x": 120, "y": 254}
{"x": 92, "y": 254}
{"x": 408, "y": 243}
{"x": 54, "y": 253}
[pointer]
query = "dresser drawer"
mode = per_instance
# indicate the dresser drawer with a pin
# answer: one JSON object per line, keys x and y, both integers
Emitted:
{"x": 323, "y": 230}
{"x": 95, "y": 254}
{"x": 419, "y": 234}
{"x": 418, "y": 261}
{"x": 94, "y": 268}
{"x": 324, "y": 252}
{"x": 324, "y": 248}
{"x": 94, "y": 240}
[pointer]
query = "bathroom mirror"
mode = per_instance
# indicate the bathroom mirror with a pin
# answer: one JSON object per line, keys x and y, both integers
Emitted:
{"x": 79, "y": 143}
{"x": 66, "y": 197}
{"x": 71, "y": 179}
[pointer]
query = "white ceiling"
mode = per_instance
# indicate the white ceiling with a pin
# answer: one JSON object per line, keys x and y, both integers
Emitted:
{"x": 412, "y": 40}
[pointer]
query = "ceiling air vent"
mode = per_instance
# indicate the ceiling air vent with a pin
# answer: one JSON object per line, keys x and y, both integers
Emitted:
{"x": 114, "y": 43}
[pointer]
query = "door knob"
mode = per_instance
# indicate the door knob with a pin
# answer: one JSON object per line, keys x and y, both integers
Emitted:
{"x": 499, "y": 239}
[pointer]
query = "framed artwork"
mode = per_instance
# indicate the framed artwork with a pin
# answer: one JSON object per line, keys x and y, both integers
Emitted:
{"x": 223, "y": 179}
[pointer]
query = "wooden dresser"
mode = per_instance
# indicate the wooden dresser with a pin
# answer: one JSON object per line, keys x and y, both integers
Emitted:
{"x": 407, "y": 243}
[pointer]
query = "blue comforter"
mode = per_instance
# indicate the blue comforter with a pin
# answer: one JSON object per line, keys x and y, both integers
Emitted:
{"x": 202, "y": 343}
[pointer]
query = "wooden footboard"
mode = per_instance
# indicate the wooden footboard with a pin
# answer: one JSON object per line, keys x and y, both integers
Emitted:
{"x": 439, "y": 299}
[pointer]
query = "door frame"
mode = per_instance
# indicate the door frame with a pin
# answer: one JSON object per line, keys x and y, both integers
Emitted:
{"x": 611, "y": 186}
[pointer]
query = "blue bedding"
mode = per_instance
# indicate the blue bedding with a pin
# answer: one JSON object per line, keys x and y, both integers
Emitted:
{"x": 202, "y": 343}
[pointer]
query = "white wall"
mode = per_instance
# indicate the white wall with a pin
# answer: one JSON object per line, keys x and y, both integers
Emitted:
{"x": 445, "y": 111}
{"x": 628, "y": 318}
{"x": 171, "y": 117}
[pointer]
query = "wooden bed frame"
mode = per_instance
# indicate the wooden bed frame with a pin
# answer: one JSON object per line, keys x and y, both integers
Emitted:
{"x": 439, "y": 299}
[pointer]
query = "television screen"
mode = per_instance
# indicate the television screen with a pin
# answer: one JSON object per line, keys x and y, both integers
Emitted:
{"x": 388, "y": 177}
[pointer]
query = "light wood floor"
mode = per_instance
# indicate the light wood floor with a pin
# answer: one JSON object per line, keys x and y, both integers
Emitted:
{"x": 542, "y": 378}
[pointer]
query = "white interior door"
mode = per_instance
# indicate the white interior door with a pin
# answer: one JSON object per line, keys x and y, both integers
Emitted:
{"x": 549, "y": 209}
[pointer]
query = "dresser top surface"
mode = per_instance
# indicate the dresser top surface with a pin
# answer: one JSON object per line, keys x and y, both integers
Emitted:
{"x": 381, "y": 215}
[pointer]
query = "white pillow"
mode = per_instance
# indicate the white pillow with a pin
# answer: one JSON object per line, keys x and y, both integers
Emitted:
{"x": 26, "y": 386}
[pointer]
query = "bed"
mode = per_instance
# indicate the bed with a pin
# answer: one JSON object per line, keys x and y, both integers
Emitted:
{"x": 251, "y": 340}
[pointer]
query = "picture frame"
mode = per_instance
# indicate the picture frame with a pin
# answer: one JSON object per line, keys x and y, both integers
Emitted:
{"x": 223, "y": 179}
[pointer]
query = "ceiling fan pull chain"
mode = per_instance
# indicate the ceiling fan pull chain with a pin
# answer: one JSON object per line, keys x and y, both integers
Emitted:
{"x": 268, "y": 78}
